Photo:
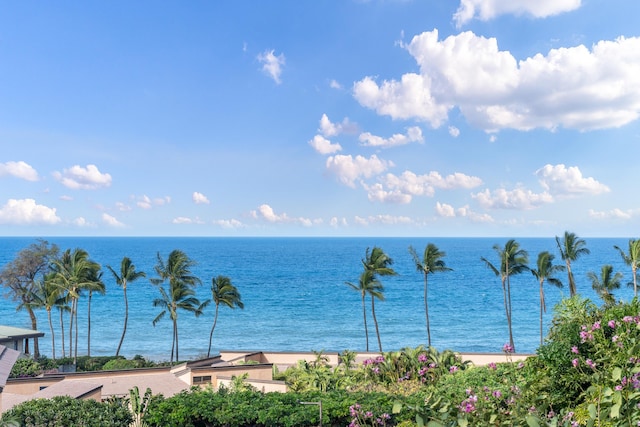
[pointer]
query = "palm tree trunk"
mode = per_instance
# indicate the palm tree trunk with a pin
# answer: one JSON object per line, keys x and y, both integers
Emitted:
{"x": 126, "y": 318}
{"x": 75, "y": 344}
{"x": 73, "y": 301}
{"x": 506, "y": 306}
{"x": 542, "y": 307}
{"x": 53, "y": 337}
{"x": 375, "y": 322}
{"x": 62, "y": 334}
{"x": 426, "y": 310}
{"x": 34, "y": 326}
{"x": 635, "y": 283}
{"x": 173, "y": 341}
{"x": 366, "y": 330}
{"x": 89, "y": 326}
{"x": 215, "y": 320}
{"x": 176, "y": 332}
{"x": 572, "y": 282}
{"x": 513, "y": 346}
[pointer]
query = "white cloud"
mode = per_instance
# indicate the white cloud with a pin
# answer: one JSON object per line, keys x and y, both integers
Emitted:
{"x": 414, "y": 134}
{"x": 338, "y": 222}
{"x": 186, "y": 220}
{"x": 122, "y": 207}
{"x": 145, "y": 202}
{"x": 576, "y": 87}
{"x": 349, "y": 169}
{"x": 445, "y": 210}
{"x": 267, "y": 213}
{"x": 519, "y": 199}
{"x": 111, "y": 221}
{"x": 272, "y": 64}
{"x": 612, "y": 214}
{"x": 66, "y": 198}
{"x": 327, "y": 128}
{"x": 333, "y": 84}
{"x": 324, "y": 146}
{"x": 488, "y": 9}
{"x": 228, "y": 223}
{"x": 400, "y": 189}
{"x": 568, "y": 181}
{"x": 382, "y": 219}
{"x": 81, "y": 222}
{"x": 454, "y": 131}
{"x": 19, "y": 169}
{"x": 199, "y": 198}
{"x": 79, "y": 178}
{"x": 27, "y": 211}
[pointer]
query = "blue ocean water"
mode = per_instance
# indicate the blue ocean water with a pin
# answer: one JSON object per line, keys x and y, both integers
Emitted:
{"x": 296, "y": 298}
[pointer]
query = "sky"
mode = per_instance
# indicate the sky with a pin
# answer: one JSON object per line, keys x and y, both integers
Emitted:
{"x": 443, "y": 118}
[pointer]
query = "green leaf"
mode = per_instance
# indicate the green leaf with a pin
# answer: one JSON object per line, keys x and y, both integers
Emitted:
{"x": 397, "y": 406}
{"x": 532, "y": 421}
{"x": 616, "y": 374}
{"x": 462, "y": 422}
{"x": 615, "y": 411}
{"x": 592, "y": 411}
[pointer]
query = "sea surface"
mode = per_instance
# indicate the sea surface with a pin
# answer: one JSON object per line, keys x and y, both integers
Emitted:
{"x": 296, "y": 298}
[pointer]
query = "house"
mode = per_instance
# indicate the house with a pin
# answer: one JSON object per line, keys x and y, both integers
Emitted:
{"x": 18, "y": 338}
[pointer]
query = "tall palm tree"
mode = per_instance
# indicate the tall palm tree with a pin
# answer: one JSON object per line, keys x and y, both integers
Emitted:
{"x": 181, "y": 293}
{"x": 571, "y": 248}
{"x": 366, "y": 282}
{"x": 607, "y": 282}
{"x": 632, "y": 258}
{"x": 49, "y": 295}
{"x": 544, "y": 272}
{"x": 95, "y": 284}
{"x": 431, "y": 262}
{"x": 223, "y": 292}
{"x": 379, "y": 263}
{"x": 513, "y": 260}
{"x": 128, "y": 274}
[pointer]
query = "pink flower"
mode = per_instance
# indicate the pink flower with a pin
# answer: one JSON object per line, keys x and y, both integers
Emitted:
{"x": 453, "y": 369}
{"x": 612, "y": 324}
{"x": 590, "y": 363}
{"x": 574, "y": 362}
{"x": 492, "y": 366}
{"x": 596, "y": 325}
{"x": 574, "y": 350}
{"x": 507, "y": 348}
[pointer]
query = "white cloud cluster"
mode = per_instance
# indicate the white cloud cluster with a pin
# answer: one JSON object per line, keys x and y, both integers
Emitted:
{"x": 349, "y": 169}
{"x": 328, "y": 129}
{"x": 199, "y": 198}
{"x": 272, "y": 64}
{"x": 518, "y": 198}
{"x": 383, "y": 219}
{"x": 323, "y": 146}
{"x": 79, "y": 178}
{"x": 186, "y": 220}
{"x": 401, "y": 189}
{"x": 488, "y": 9}
{"x": 145, "y": 202}
{"x": 19, "y": 169}
{"x": 568, "y": 181}
{"x": 27, "y": 212}
{"x": 576, "y": 87}
{"x": 111, "y": 221}
{"x": 447, "y": 211}
{"x": 414, "y": 134}
{"x": 267, "y": 213}
{"x": 613, "y": 214}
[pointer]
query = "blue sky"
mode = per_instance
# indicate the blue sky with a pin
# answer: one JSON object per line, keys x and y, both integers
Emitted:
{"x": 329, "y": 118}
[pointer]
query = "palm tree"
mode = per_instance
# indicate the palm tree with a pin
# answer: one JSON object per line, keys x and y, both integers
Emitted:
{"x": 127, "y": 275}
{"x": 95, "y": 284}
{"x": 633, "y": 259}
{"x": 366, "y": 282}
{"x": 544, "y": 272}
{"x": 181, "y": 293}
{"x": 606, "y": 283}
{"x": 223, "y": 292}
{"x": 430, "y": 263}
{"x": 513, "y": 260}
{"x": 571, "y": 248}
{"x": 49, "y": 296}
{"x": 379, "y": 263}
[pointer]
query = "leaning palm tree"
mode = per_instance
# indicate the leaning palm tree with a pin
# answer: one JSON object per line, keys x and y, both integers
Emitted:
{"x": 571, "y": 248}
{"x": 513, "y": 260}
{"x": 544, "y": 272}
{"x": 181, "y": 293}
{"x": 431, "y": 262}
{"x": 607, "y": 282}
{"x": 632, "y": 258}
{"x": 379, "y": 263}
{"x": 367, "y": 281}
{"x": 223, "y": 292}
{"x": 128, "y": 274}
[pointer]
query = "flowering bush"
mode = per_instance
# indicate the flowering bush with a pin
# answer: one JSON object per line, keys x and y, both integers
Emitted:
{"x": 361, "y": 418}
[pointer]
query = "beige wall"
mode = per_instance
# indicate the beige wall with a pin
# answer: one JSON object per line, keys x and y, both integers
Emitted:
{"x": 29, "y": 385}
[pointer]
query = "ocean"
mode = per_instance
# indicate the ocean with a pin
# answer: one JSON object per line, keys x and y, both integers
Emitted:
{"x": 296, "y": 299}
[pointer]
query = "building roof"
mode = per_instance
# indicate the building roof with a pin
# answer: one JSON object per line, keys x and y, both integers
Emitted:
{"x": 9, "y": 333}
{"x": 7, "y": 358}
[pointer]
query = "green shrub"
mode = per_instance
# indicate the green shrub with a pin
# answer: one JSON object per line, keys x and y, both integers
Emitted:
{"x": 25, "y": 367}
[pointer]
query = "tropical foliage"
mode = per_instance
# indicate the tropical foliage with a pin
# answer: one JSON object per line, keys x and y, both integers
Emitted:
{"x": 571, "y": 248}
{"x": 223, "y": 292}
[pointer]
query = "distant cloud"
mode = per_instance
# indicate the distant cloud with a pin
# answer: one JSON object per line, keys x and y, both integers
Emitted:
{"x": 27, "y": 212}
{"x": 327, "y": 128}
{"x": 445, "y": 210}
{"x": 382, "y": 219}
{"x": 19, "y": 169}
{"x": 338, "y": 222}
{"x": 79, "y": 178}
{"x": 272, "y": 64}
{"x": 228, "y": 223}
{"x": 489, "y": 9}
{"x": 145, "y": 202}
{"x": 324, "y": 146}
{"x": 576, "y": 88}
{"x": 186, "y": 220}
{"x": 348, "y": 169}
{"x": 267, "y": 213}
{"x": 81, "y": 222}
{"x": 199, "y": 198}
{"x": 613, "y": 214}
{"x": 111, "y": 221}
{"x": 568, "y": 181}
{"x": 518, "y": 198}
{"x": 414, "y": 134}
{"x": 454, "y": 131}
{"x": 66, "y": 198}
{"x": 333, "y": 84}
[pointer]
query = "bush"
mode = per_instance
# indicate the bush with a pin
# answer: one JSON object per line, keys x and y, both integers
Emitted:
{"x": 24, "y": 368}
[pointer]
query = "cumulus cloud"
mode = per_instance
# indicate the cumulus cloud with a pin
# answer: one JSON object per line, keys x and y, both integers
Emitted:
{"x": 26, "y": 212}
{"x": 19, "y": 169}
{"x": 228, "y": 223}
{"x": 348, "y": 169}
{"x": 454, "y": 131}
{"x": 199, "y": 198}
{"x": 577, "y": 87}
{"x": 519, "y": 199}
{"x": 323, "y": 146}
{"x": 488, "y": 9}
{"x": 327, "y": 128}
{"x": 400, "y": 189}
{"x": 111, "y": 221}
{"x": 568, "y": 181}
{"x": 81, "y": 222}
{"x": 336, "y": 222}
{"x": 272, "y": 64}
{"x": 612, "y": 214}
{"x": 145, "y": 202}
{"x": 445, "y": 210}
{"x": 334, "y": 84}
{"x": 267, "y": 213}
{"x": 414, "y": 134}
{"x": 79, "y": 178}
